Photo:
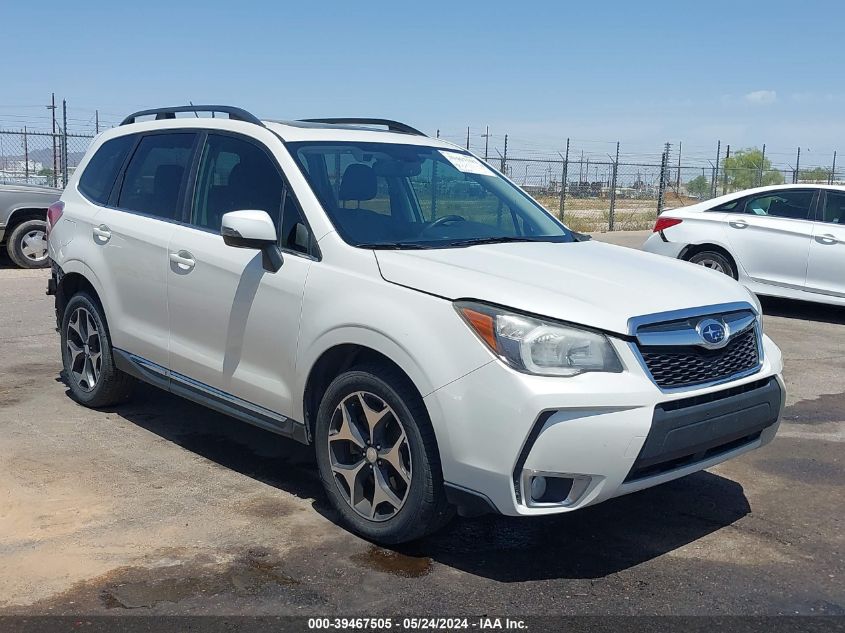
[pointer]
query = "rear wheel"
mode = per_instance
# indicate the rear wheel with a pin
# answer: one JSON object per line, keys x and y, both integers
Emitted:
{"x": 27, "y": 244}
{"x": 87, "y": 355}
{"x": 714, "y": 261}
{"x": 378, "y": 458}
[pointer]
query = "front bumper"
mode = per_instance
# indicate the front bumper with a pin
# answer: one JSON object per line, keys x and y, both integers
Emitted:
{"x": 596, "y": 436}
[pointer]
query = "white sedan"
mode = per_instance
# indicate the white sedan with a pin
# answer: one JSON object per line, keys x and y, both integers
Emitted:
{"x": 784, "y": 241}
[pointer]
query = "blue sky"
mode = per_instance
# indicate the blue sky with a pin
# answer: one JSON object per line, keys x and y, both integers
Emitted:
{"x": 639, "y": 72}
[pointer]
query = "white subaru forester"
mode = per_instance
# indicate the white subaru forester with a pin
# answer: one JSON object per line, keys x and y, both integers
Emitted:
{"x": 439, "y": 338}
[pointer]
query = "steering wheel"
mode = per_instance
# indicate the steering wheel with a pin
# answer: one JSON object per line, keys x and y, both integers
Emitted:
{"x": 446, "y": 219}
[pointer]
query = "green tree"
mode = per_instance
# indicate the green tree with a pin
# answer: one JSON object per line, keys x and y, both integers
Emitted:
{"x": 814, "y": 174}
{"x": 743, "y": 170}
{"x": 699, "y": 186}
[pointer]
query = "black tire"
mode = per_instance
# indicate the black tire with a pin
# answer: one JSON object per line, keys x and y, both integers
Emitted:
{"x": 425, "y": 508}
{"x": 16, "y": 247}
{"x": 716, "y": 261}
{"x": 112, "y": 386}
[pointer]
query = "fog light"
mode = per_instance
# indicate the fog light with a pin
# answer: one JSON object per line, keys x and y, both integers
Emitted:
{"x": 538, "y": 488}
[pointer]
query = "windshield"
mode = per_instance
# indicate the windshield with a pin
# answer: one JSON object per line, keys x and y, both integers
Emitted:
{"x": 386, "y": 195}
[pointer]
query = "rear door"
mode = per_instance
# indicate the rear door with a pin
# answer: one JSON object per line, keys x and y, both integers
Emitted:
{"x": 233, "y": 325}
{"x": 826, "y": 267}
{"x": 130, "y": 238}
{"x": 770, "y": 235}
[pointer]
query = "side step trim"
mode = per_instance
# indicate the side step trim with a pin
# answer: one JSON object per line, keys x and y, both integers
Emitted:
{"x": 208, "y": 396}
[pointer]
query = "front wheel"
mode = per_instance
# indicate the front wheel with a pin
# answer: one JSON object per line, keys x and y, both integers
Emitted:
{"x": 714, "y": 261}
{"x": 378, "y": 458}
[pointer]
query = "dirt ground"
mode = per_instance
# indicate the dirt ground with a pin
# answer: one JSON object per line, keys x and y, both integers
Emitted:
{"x": 163, "y": 507}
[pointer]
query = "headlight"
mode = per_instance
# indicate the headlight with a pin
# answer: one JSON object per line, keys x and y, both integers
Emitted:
{"x": 537, "y": 346}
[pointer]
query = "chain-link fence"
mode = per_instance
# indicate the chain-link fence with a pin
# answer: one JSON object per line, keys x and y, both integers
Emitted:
{"x": 589, "y": 192}
{"x": 40, "y": 158}
{"x": 614, "y": 194}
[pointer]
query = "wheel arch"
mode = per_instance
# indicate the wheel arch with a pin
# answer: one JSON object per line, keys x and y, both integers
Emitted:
{"x": 24, "y": 213}
{"x": 693, "y": 249}
{"x": 76, "y": 276}
{"x": 344, "y": 349}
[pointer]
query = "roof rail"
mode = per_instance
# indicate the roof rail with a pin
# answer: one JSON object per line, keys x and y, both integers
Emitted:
{"x": 234, "y": 113}
{"x": 393, "y": 126}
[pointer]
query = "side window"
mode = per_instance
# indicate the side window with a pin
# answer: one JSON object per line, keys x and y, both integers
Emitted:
{"x": 782, "y": 204}
{"x": 733, "y": 205}
{"x": 155, "y": 175}
{"x": 98, "y": 178}
{"x": 834, "y": 208}
{"x": 235, "y": 175}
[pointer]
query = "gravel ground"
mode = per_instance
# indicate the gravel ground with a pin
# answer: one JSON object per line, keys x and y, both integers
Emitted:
{"x": 163, "y": 507}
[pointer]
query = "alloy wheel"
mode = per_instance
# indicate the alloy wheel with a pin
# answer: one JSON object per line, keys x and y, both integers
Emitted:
{"x": 34, "y": 245}
{"x": 712, "y": 264}
{"x": 84, "y": 346}
{"x": 370, "y": 456}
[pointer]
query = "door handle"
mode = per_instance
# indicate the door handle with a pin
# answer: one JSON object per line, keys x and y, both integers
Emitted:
{"x": 826, "y": 238}
{"x": 739, "y": 224}
{"x": 102, "y": 233}
{"x": 183, "y": 259}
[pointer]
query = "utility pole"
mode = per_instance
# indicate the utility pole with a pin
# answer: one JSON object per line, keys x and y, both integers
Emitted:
{"x": 611, "y": 218}
{"x": 438, "y": 133}
{"x": 833, "y": 169}
{"x": 505, "y": 158}
{"x": 762, "y": 164}
{"x": 97, "y": 121}
{"x": 467, "y": 138}
{"x": 678, "y": 182}
{"x": 661, "y": 187}
{"x": 64, "y": 143}
{"x": 52, "y": 107}
{"x": 716, "y": 169}
{"x": 725, "y": 170}
{"x": 25, "y": 156}
{"x": 797, "y": 165}
{"x": 486, "y": 137}
{"x": 563, "y": 178}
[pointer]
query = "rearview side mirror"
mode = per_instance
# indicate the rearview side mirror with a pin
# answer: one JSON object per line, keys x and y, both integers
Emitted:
{"x": 253, "y": 229}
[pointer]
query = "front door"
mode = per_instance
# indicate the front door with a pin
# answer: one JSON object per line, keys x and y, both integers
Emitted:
{"x": 771, "y": 235}
{"x": 233, "y": 325}
{"x": 826, "y": 267}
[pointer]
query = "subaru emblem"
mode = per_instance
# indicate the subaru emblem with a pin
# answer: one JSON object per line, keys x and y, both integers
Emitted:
{"x": 713, "y": 333}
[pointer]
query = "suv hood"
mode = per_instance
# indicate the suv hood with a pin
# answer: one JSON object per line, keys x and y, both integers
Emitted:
{"x": 587, "y": 283}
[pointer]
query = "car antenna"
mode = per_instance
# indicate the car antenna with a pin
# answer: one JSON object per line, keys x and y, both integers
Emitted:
{"x": 195, "y": 110}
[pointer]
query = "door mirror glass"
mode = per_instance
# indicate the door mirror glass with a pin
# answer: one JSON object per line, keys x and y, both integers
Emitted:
{"x": 248, "y": 229}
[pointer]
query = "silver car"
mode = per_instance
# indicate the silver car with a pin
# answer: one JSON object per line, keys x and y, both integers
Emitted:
{"x": 23, "y": 222}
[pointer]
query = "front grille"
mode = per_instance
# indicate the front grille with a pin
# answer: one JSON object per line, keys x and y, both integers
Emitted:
{"x": 673, "y": 367}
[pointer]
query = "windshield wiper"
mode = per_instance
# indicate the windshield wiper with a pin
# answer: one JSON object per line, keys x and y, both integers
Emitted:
{"x": 393, "y": 246}
{"x": 498, "y": 240}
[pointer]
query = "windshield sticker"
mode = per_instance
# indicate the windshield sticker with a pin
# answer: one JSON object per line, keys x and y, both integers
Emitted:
{"x": 467, "y": 164}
